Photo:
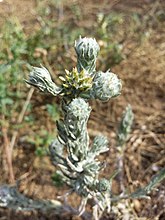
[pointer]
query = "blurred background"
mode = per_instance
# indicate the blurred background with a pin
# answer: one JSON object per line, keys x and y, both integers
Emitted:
{"x": 131, "y": 35}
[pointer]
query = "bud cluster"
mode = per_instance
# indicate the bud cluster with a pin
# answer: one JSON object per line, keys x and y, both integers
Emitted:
{"x": 75, "y": 83}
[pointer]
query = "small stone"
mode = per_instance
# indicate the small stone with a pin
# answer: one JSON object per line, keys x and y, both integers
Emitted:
{"x": 137, "y": 205}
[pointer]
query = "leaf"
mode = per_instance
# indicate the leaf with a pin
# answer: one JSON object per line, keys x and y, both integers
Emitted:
{"x": 142, "y": 192}
{"x": 7, "y": 101}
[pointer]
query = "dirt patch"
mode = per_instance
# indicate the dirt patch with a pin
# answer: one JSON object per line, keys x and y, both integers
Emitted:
{"x": 24, "y": 11}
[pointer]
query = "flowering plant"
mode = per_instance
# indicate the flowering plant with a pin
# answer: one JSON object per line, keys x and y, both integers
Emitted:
{"x": 71, "y": 151}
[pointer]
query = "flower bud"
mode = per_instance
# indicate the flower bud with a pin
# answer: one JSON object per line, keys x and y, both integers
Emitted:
{"x": 103, "y": 185}
{"x": 87, "y": 50}
{"x": 40, "y": 78}
{"x": 78, "y": 109}
{"x": 106, "y": 85}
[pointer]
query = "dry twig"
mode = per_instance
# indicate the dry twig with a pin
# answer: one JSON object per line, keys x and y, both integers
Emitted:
{"x": 20, "y": 117}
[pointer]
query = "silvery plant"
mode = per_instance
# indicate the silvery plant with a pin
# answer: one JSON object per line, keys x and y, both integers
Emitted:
{"x": 123, "y": 132}
{"x": 71, "y": 151}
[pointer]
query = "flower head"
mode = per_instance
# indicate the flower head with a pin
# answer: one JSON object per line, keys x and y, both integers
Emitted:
{"x": 87, "y": 48}
{"x": 87, "y": 51}
{"x": 106, "y": 85}
{"x": 40, "y": 78}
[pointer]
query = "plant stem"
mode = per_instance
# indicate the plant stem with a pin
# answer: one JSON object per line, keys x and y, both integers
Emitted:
{"x": 120, "y": 167}
{"x": 7, "y": 151}
{"x": 20, "y": 117}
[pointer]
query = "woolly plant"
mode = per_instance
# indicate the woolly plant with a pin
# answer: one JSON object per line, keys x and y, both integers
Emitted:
{"x": 71, "y": 151}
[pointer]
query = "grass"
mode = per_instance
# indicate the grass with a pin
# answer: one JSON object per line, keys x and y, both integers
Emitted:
{"x": 17, "y": 54}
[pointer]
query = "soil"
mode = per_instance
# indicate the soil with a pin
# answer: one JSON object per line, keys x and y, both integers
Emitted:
{"x": 142, "y": 74}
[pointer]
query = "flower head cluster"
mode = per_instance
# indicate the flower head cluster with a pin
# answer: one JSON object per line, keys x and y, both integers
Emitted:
{"x": 76, "y": 83}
